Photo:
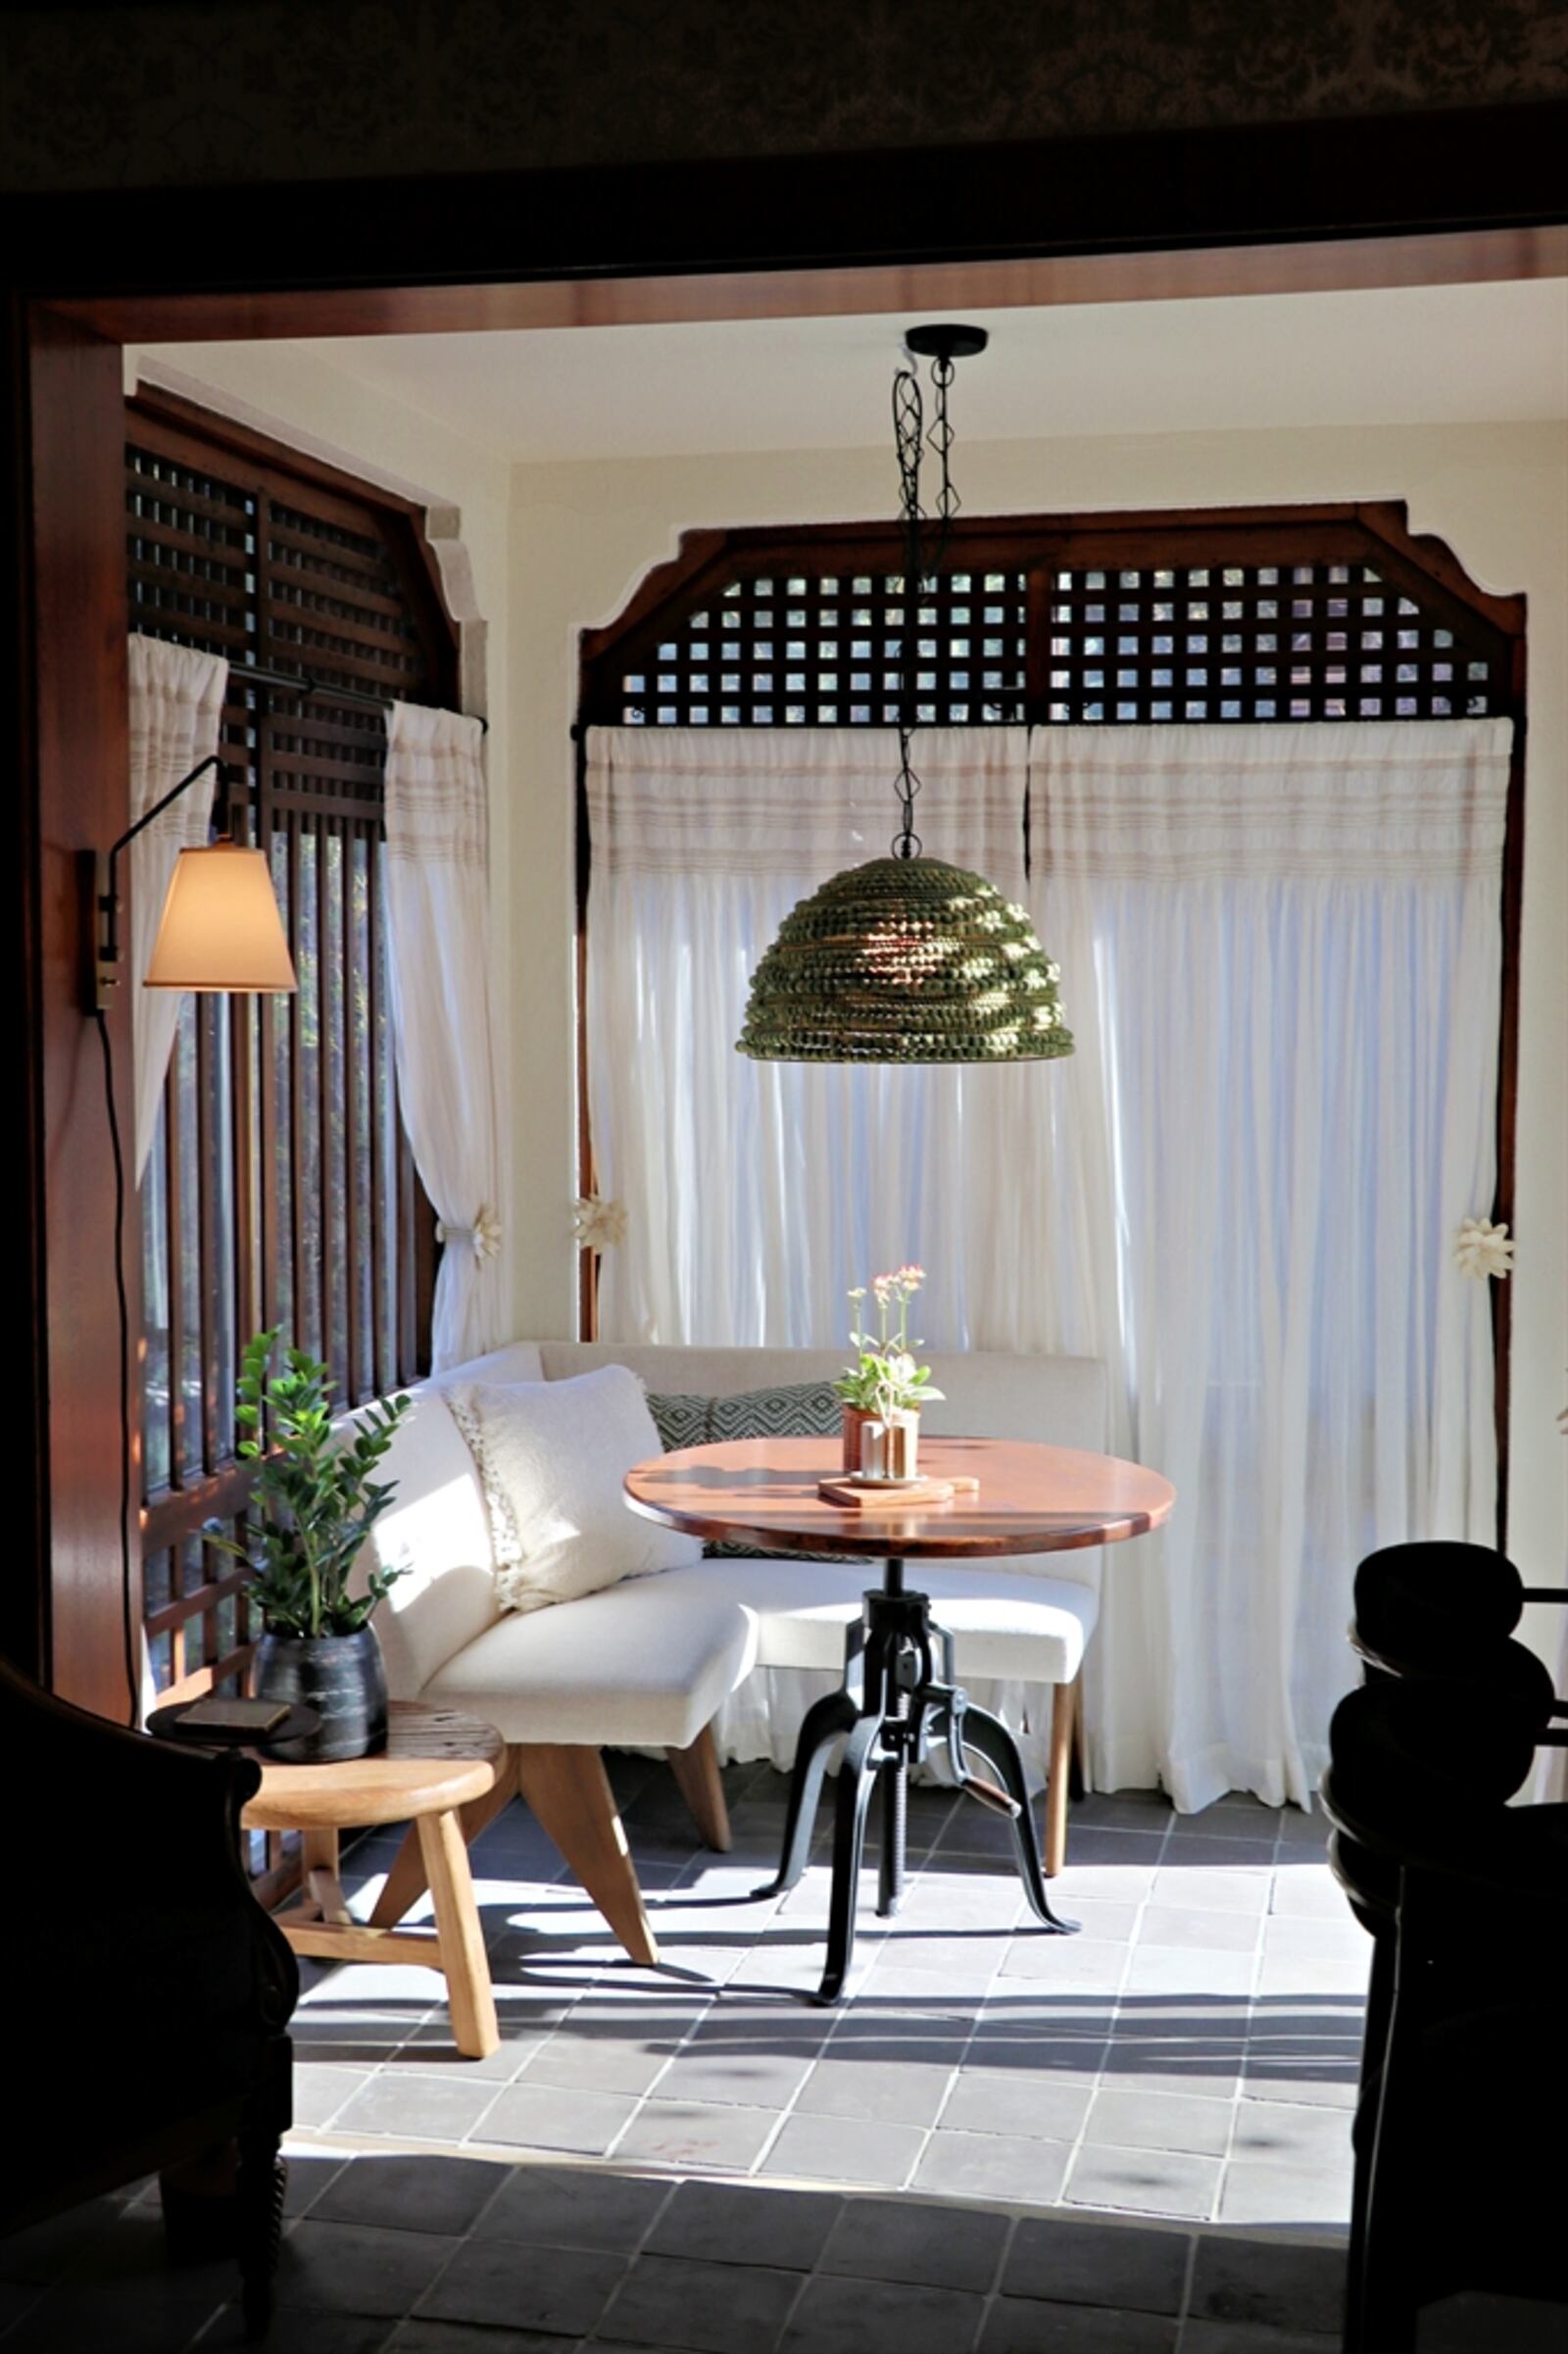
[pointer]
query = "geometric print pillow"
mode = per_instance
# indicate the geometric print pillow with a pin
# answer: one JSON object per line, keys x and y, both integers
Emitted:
{"x": 787, "y": 1410}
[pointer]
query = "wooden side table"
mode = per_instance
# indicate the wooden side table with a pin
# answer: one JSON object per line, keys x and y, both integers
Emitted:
{"x": 443, "y": 1773}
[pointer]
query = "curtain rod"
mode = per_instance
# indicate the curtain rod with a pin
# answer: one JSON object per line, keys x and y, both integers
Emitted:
{"x": 302, "y": 683}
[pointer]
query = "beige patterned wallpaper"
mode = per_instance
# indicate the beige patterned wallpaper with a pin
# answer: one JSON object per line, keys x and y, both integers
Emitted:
{"x": 204, "y": 91}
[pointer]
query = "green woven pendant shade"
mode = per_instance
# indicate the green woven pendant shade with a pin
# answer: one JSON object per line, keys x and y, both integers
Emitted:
{"x": 904, "y": 960}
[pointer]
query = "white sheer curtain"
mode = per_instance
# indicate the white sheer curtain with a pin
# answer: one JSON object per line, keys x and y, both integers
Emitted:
{"x": 1279, "y": 957}
{"x": 1280, "y": 952}
{"x": 438, "y": 955}
{"x": 757, "y": 1192}
{"x": 176, "y": 709}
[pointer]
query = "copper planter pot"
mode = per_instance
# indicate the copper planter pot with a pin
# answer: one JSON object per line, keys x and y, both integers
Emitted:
{"x": 903, "y": 1441}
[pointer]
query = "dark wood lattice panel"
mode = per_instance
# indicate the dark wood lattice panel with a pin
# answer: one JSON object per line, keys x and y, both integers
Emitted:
{"x": 783, "y": 651}
{"x": 1145, "y": 644}
{"x": 280, "y": 1189}
{"x": 1280, "y": 613}
{"x": 238, "y": 569}
{"x": 1322, "y": 641}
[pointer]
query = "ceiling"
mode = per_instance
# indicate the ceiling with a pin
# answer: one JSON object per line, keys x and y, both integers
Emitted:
{"x": 1417, "y": 355}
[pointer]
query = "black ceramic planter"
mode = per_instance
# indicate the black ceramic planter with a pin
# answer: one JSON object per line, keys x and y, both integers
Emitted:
{"x": 341, "y": 1677}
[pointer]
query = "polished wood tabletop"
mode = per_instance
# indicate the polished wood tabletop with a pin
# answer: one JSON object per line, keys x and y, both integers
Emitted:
{"x": 1031, "y": 1499}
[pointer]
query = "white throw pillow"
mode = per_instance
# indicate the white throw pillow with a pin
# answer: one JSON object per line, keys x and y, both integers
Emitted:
{"x": 551, "y": 1457}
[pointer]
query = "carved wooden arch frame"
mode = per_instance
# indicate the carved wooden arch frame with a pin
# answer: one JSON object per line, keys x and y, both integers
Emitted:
{"x": 1421, "y": 566}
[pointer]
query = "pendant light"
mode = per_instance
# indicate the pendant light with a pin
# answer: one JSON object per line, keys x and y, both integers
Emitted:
{"x": 908, "y": 959}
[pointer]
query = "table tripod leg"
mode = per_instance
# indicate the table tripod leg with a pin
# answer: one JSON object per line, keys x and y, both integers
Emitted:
{"x": 987, "y": 1736}
{"x": 824, "y": 1723}
{"x": 857, "y": 1780}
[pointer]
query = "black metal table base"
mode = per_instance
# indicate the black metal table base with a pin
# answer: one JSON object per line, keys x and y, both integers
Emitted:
{"x": 892, "y": 1709}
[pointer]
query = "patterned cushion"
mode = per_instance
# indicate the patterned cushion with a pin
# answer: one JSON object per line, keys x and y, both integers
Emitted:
{"x": 790, "y": 1410}
{"x": 680, "y": 1421}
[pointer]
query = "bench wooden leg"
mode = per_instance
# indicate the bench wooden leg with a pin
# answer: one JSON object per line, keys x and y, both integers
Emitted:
{"x": 407, "y": 1880}
{"x": 696, "y": 1771}
{"x": 568, "y": 1791}
{"x": 1063, "y": 1713}
{"x": 458, "y": 1935}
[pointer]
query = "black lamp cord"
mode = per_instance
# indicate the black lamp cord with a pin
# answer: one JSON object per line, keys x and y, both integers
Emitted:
{"x": 910, "y": 440}
{"x": 126, "y": 1578}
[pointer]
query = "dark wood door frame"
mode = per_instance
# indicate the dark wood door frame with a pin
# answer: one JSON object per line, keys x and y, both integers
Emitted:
{"x": 1414, "y": 198}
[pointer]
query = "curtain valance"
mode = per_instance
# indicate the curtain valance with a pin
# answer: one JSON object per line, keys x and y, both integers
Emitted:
{"x": 1417, "y": 801}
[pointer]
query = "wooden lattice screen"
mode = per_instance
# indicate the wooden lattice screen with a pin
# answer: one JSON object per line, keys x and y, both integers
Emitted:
{"x": 1128, "y": 620}
{"x": 280, "y": 1190}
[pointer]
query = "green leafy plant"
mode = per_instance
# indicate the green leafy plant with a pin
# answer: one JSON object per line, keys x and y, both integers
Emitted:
{"x": 885, "y": 1379}
{"x": 314, "y": 1499}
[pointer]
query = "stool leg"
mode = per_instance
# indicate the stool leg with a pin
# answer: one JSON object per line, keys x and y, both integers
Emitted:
{"x": 407, "y": 1883}
{"x": 462, "y": 1943}
{"x": 319, "y": 1874}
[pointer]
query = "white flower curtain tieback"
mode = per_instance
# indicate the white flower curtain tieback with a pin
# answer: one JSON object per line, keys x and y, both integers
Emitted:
{"x": 483, "y": 1237}
{"x": 597, "y": 1225}
{"x": 1481, "y": 1250}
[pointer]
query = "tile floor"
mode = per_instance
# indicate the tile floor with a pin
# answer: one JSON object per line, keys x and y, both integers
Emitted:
{"x": 433, "y": 2253}
{"x": 1134, "y": 2141}
{"x": 1190, "y": 2054}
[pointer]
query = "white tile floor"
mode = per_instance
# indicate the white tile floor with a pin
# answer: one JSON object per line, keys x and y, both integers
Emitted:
{"x": 1190, "y": 2054}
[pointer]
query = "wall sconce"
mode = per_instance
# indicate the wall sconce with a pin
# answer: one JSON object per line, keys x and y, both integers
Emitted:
{"x": 221, "y": 929}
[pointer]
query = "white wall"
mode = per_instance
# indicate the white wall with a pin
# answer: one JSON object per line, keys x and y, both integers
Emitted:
{"x": 583, "y": 534}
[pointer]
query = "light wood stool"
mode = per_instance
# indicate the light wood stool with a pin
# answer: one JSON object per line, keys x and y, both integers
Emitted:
{"x": 445, "y": 1775}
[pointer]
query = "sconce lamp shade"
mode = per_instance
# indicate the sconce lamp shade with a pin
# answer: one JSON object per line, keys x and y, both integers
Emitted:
{"x": 221, "y": 928}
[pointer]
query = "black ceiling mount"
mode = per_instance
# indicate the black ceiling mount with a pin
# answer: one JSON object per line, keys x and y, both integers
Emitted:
{"x": 946, "y": 341}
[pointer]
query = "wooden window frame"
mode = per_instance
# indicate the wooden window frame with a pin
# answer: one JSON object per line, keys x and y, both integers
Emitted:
{"x": 1486, "y": 627}
{"x": 280, "y": 792}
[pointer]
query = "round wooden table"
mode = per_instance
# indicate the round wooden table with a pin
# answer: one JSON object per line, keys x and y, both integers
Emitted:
{"x": 438, "y": 1773}
{"x": 901, "y": 1695}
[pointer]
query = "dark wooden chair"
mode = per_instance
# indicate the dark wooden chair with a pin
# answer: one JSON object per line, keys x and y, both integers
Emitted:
{"x": 1443, "y": 1608}
{"x": 148, "y": 1994}
{"x": 1466, "y": 2055}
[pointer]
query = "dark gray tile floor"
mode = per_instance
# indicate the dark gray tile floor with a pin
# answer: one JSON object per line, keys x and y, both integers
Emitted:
{"x": 1192, "y": 2053}
{"x": 1133, "y": 2142}
{"x": 425, "y": 2253}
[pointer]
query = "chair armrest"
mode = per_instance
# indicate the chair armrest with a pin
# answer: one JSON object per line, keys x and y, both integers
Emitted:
{"x": 79, "y": 1770}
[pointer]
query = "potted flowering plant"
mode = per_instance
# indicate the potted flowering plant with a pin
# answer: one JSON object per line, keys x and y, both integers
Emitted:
{"x": 884, "y": 1391}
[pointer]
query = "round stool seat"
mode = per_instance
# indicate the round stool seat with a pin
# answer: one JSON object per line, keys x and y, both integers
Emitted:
{"x": 435, "y": 1759}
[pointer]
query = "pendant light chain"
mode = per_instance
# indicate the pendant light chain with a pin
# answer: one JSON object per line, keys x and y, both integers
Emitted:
{"x": 908, "y": 960}
{"x": 910, "y": 441}
{"x": 909, "y": 438}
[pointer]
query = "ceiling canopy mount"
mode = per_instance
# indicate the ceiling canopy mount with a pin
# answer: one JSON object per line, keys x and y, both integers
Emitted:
{"x": 946, "y": 340}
